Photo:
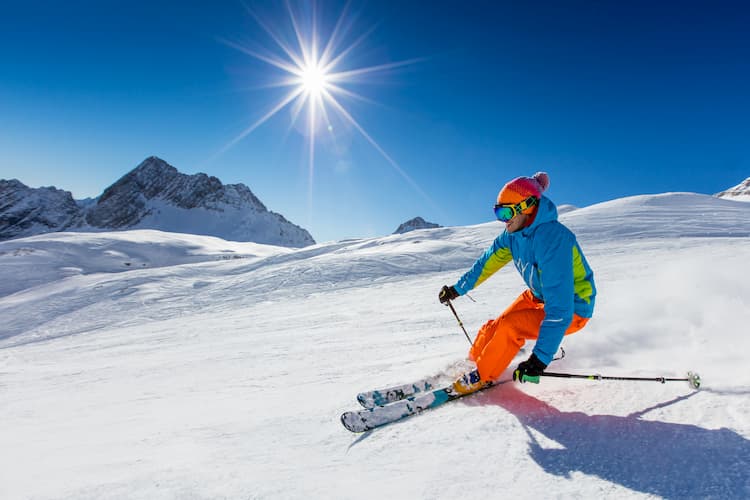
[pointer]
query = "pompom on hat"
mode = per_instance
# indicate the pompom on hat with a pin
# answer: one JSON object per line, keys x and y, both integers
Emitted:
{"x": 521, "y": 188}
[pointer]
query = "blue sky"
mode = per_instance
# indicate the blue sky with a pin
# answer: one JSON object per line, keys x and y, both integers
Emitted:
{"x": 610, "y": 98}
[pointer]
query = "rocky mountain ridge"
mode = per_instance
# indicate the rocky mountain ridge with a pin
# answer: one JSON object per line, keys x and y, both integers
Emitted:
{"x": 415, "y": 223}
{"x": 154, "y": 195}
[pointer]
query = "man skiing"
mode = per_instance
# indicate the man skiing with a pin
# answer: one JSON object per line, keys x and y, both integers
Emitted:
{"x": 560, "y": 298}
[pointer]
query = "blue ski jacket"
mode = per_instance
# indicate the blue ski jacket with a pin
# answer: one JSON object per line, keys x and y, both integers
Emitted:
{"x": 553, "y": 266}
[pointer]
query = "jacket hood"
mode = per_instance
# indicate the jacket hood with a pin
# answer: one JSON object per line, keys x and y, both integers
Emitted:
{"x": 547, "y": 212}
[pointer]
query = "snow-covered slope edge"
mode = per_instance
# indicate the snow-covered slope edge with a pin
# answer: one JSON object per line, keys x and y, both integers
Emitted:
{"x": 672, "y": 215}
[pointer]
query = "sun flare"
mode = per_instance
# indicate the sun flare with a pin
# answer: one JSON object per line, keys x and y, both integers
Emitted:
{"x": 316, "y": 80}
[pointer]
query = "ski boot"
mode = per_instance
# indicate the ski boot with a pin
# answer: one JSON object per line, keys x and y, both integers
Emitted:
{"x": 468, "y": 383}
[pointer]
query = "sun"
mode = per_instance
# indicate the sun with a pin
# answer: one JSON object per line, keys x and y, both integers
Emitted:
{"x": 314, "y": 80}
{"x": 315, "y": 72}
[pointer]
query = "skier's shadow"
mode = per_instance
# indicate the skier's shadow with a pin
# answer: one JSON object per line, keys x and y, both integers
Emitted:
{"x": 659, "y": 458}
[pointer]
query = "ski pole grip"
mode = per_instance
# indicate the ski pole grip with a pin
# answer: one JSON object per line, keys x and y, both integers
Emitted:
{"x": 534, "y": 379}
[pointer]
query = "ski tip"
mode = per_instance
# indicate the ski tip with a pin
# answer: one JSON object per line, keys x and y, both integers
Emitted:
{"x": 362, "y": 400}
{"x": 352, "y": 421}
{"x": 694, "y": 380}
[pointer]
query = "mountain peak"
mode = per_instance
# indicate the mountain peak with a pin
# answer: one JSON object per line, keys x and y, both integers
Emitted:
{"x": 25, "y": 211}
{"x": 12, "y": 184}
{"x": 154, "y": 163}
{"x": 740, "y": 192}
{"x": 154, "y": 195}
{"x": 415, "y": 223}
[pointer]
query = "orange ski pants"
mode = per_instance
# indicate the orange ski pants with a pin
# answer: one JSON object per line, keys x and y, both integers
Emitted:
{"x": 500, "y": 339}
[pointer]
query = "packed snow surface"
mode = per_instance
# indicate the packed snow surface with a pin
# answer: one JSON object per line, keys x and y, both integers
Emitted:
{"x": 209, "y": 369}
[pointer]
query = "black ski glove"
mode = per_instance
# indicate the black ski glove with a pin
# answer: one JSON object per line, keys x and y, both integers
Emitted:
{"x": 447, "y": 293}
{"x": 529, "y": 370}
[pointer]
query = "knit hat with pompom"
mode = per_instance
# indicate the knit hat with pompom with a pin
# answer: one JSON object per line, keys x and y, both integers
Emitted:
{"x": 521, "y": 188}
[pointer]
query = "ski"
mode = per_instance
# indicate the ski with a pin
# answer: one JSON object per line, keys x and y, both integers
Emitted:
{"x": 382, "y": 397}
{"x": 388, "y": 395}
{"x": 378, "y": 416}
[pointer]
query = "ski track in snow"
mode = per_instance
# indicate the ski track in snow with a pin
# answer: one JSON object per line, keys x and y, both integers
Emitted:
{"x": 226, "y": 378}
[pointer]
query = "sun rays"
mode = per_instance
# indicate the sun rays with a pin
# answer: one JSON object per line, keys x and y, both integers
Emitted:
{"x": 316, "y": 76}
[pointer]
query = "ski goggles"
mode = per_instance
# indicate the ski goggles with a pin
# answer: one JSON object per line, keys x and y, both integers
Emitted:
{"x": 504, "y": 213}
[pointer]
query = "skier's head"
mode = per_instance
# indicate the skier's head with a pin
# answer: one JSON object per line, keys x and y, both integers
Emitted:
{"x": 520, "y": 188}
{"x": 518, "y": 200}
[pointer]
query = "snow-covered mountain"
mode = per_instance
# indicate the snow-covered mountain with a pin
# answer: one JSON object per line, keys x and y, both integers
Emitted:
{"x": 225, "y": 378}
{"x": 564, "y": 209}
{"x": 25, "y": 211}
{"x": 414, "y": 224}
{"x": 152, "y": 196}
{"x": 740, "y": 192}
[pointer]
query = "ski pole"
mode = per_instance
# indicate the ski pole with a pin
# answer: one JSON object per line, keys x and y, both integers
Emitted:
{"x": 692, "y": 378}
{"x": 459, "y": 321}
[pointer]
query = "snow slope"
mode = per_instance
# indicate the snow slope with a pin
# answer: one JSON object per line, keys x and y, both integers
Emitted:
{"x": 40, "y": 259}
{"x": 226, "y": 378}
